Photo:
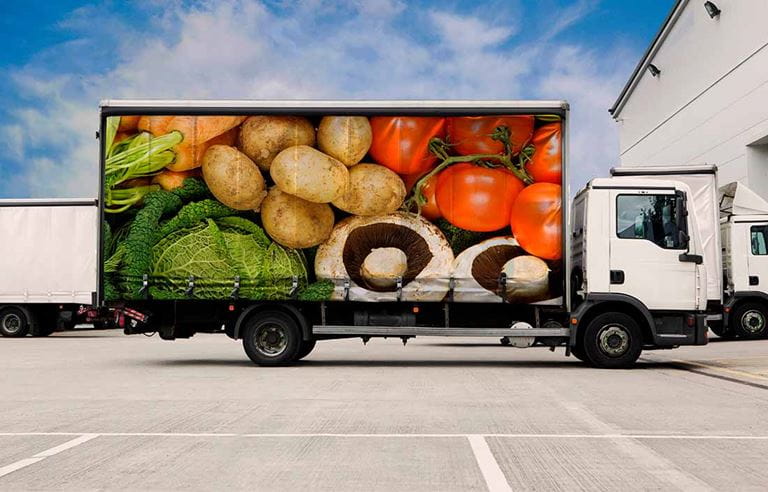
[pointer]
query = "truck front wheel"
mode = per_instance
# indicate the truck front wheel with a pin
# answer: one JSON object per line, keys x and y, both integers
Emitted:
{"x": 272, "y": 338}
{"x": 14, "y": 322}
{"x": 612, "y": 341}
{"x": 750, "y": 320}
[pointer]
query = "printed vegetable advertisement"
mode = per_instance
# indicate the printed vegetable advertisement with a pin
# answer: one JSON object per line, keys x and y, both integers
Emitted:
{"x": 351, "y": 207}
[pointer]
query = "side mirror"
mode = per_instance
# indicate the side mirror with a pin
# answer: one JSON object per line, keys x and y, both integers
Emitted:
{"x": 685, "y": 239}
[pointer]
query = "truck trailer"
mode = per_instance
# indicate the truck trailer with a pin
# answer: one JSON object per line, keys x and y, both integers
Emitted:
{"x": 284, "y": 223}
{"x": 48, "y": 265}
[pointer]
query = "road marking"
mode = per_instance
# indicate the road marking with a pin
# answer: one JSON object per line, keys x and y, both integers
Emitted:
{"x": 494, "y": 477}
{"x": 444, "y": 435}
{"x": 640, "y": 453}
{"x": 18, "y": 465}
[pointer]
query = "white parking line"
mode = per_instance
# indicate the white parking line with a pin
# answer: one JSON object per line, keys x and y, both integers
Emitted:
{"x": 18, "y": 465}
{"x": 494, "y": 477}
{"x": 456, "y": 435}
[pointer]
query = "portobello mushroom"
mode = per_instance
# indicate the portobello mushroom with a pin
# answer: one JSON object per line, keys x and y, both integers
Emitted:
{"x": 374, "y": 254}
{"x": 478, "y": 273}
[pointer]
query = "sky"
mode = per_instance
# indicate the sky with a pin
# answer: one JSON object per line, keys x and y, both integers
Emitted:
{"x": 61, "y": 58}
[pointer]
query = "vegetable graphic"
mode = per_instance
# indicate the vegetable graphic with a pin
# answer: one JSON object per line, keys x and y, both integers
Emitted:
{"x": 546, "y": 164}
{"x": 204, "y": 240}
{"x": 263, "y": 137}
{"x": 478, "y": 272}
{"x": 362, "y": 249}
{"x": 477, "y": 198}
{"x": 372, "y": 190}
{"x": 233, "y": 178}
{"x": 537, "y": 221}
{"x": 309, "y": 174}
{"x": 295, "y": 222}
{"x": 346, "y": 138}
{"x": 402, "y": 142}
{"x": 474, "y": 134}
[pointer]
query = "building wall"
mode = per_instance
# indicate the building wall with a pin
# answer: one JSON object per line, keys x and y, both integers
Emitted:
{"x": 709, "y": 105}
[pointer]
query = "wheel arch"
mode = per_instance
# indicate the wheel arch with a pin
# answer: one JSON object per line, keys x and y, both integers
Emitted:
{"x": 739, "y": 298}
{"x": 289, "y": 309}
{"x": 596, "y": 304}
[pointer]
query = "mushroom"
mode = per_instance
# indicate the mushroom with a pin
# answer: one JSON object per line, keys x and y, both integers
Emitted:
{"x": 375, "y": 254}
{"x": 478, "y": 273}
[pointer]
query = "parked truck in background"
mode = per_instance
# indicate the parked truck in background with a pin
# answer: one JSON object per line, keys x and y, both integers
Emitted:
{"x": 48, "y": 265}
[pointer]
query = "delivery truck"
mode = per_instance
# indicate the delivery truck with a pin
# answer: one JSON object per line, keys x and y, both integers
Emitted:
{"x": 284, "y": 223}
{"x": 48, "y": 265}
{"x": 733, "y": 237}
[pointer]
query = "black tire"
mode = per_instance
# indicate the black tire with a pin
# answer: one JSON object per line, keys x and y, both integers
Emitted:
{"x": 750, "y": 320}
{"x": 578, "y": 352}
{"x": 505, "y": 341}
{"x": 15, "y": 322}
{"x": 612, "y": 341}
{"x": 306, "y": 347}
{"x": 272, "y": 338}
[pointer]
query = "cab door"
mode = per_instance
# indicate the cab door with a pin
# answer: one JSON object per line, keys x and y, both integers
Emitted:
{"x": 757, "y": 257}
{"x": 648, "y": 237}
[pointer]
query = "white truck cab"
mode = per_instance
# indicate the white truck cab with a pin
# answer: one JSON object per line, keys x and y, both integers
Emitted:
{"x": 637, "y": 266}
{"x": 744, "y": 235}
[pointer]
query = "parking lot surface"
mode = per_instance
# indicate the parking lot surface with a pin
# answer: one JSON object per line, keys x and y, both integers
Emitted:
{"x": 99, "y": 410}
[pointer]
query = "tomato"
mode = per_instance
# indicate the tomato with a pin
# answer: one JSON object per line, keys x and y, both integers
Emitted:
{"x": 537, "y": 220}
{"x": 429, "y": 210}
{"x": 477, "y": 198}
{"x": 401, "y": 143}
{"x": 472, "y": 134}
{"x": 547, "y": 163}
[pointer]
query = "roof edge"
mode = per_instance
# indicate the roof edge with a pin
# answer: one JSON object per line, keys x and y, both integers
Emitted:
{"x": 661, "y": 35}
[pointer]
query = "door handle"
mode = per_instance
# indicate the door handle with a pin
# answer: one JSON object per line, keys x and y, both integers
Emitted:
{"x": 754, "y": 280}
{"x": 689, "y": 258}
{"x": 617, "y": 277}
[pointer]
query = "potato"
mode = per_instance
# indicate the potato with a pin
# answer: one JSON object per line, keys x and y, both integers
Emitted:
{"x": 233, "y": 178}
{"x": 373, "y": 190}
{"x": 294, "y": 222}
{"x": 263, "y": 137}
{"x": 309, "y": 174}
{"x": 346, "y": 138}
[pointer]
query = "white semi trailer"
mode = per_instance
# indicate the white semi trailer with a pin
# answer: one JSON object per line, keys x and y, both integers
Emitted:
{"x": 48, "y": 265}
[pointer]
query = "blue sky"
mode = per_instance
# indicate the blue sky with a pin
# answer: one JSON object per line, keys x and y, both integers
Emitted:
{"x": 62, "y": 57}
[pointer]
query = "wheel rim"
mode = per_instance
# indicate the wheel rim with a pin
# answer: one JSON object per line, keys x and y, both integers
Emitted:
{"x": 270, "y": 340}
{"x": 12, "y": 323}
{"x": 753, "y": 321}
{"x": 613, "y": 340}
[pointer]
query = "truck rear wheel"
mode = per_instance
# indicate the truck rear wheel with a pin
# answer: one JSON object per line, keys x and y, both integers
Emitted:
{"x": 272, "y": 338}
{"x": 612, "y": 341}
{"x": 750, "y": 320}
{"x": 14, "y": 322}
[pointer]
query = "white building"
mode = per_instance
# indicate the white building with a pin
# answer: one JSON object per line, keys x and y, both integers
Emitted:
{"x": 700, "y": 93}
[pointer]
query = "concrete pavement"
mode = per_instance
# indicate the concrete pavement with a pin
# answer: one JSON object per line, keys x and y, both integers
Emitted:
{"x": 97, "y": 409}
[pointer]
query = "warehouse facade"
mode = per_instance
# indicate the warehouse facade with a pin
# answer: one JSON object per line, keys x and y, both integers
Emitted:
{"x": 700, "y": 93}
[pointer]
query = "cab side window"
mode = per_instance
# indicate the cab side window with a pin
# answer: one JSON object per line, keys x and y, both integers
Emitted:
{"x": 649, "y": 217}
{"x": 757, "y": 234}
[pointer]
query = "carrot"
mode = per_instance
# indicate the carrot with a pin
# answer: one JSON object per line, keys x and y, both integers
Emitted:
{"x": 191, "y": 156}
{"x": 199, "y": 129}
{"x": 128, "y": 124}
{"x": 156, "y": 125}
{"x": 170, "y": 180}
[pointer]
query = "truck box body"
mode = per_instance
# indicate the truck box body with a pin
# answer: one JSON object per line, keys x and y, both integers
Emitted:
{"x": 385, "y": 254}
{"x": 49, "y": 251}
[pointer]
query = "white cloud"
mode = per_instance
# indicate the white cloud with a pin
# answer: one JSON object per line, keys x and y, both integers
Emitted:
{"x": 241, "y": 49}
